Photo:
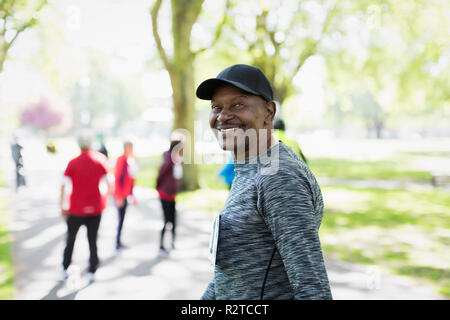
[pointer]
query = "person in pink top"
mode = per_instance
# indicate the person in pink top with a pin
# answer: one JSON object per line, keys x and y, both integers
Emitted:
{"x": 125, "y": 173}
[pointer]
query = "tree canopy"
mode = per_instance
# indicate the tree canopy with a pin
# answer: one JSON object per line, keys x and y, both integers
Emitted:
{"x": 16, "y": 16}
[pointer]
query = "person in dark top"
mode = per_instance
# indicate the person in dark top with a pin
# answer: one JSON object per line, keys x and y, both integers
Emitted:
{"x": 16, "y": 152}
{"x": 168, "y": 184}
{"x": 102, "y": 149}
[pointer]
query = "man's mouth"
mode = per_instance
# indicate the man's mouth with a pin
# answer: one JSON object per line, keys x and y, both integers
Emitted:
{"x": 229, "y": 129}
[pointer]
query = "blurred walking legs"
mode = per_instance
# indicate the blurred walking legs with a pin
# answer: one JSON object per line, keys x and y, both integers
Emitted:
{"x": 121, "y": 213}
{"x": 74, "y": 223}
{"x": 20, "y": 178}
{"x": 169, "y": 217}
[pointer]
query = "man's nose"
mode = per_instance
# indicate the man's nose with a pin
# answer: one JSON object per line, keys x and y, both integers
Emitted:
{"x": 224, "y": 115}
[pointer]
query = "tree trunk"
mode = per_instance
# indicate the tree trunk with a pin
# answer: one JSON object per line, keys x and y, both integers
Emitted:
{"x": 181, "y": 71}
{"x": 184, "y": 116}
{"x": 184, "y": 15}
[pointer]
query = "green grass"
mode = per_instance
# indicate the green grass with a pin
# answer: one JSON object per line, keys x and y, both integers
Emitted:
{"x": 435, "y": 275}
{"x": 401, "y": 231}
{"x": 405, "y": 232}
{"x": 6, "y": 267}
{"x": 207, "y": 200}
{"x": 439, "y": 154}
{"x": 348, "y": 254}
{"x": 380, "y": 170}
{"x": 354, "y": 208}
{"x": 148, "y": 171}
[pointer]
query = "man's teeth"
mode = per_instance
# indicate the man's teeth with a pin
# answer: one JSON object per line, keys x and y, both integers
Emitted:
{"x": 229, "y": 130}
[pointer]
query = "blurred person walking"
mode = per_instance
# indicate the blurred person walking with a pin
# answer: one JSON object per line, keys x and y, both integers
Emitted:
{"x": 16, "y": 152}
{"x": 125, "y": 172}
{"x": 265, "y": 242}
{"x": 280, "y": 134}
{"x": 168, "y": 184}
{"x": 102, "y": 146}
{"x": 87, "y": 176}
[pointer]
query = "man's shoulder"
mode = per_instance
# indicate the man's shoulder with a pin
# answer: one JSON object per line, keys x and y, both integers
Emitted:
{"x": 283, "y": 166}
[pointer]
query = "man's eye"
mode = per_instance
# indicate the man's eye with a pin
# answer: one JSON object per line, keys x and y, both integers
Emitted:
{"x": 238, "y": 105}
{"x": 214, "y": 107}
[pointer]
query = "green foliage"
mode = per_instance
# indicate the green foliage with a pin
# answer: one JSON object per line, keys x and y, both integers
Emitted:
{"x": 397, "y": 54}
{"x": 278, "y": 37}
{"x": 15, "y": 17}
{"x": 106, "y": 97}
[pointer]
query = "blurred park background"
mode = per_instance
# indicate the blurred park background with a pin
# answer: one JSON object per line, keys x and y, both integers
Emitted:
{"x": 362, "y": 85}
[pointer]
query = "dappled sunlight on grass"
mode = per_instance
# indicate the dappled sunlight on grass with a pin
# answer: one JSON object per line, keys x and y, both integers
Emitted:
{"x": 437, "y": 275}
{"x": 385, "y": 208}
{"x": 379, "y": 170}
{"x": 399, "y": 230}
{"x": 339, "y": 199}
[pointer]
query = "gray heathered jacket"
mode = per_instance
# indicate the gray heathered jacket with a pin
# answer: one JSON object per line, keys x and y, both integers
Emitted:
{"x": 265, "y": 210}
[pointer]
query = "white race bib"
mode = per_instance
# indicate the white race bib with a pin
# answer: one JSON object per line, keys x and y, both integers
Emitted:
{"x": 214, "y": 239}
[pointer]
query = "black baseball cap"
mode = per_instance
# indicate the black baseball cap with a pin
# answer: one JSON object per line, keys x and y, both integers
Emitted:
{"x": 248, "y": 78}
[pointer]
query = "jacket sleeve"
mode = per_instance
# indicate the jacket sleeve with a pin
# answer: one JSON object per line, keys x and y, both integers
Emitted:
{"x": 286, "y": 203}
{"x": 162, "y": 173}
{"x": 209, "y": 293}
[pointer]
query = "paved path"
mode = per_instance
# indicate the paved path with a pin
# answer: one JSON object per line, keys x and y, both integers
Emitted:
{"x": 139, "y": 272}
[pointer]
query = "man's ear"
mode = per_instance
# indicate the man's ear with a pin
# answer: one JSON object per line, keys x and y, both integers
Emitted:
{"x": 271, "y": 109}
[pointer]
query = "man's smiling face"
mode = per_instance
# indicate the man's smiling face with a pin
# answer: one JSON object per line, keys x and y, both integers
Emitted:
{"x": 233, "y": 113}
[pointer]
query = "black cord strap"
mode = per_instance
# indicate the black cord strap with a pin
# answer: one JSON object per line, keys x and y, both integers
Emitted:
{"x": 267, "y": 272}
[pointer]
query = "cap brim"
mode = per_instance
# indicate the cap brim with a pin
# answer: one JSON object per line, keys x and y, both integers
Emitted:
{"x": 206, "y": 89}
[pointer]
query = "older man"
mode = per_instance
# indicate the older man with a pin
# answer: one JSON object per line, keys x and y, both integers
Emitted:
{"x": 267, "y": 244}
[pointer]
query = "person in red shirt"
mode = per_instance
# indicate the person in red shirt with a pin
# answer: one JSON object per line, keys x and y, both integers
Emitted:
{"x": 168, "y": 184}
{"x": 87, "y": 174}
{"x": 125, "y": 174}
